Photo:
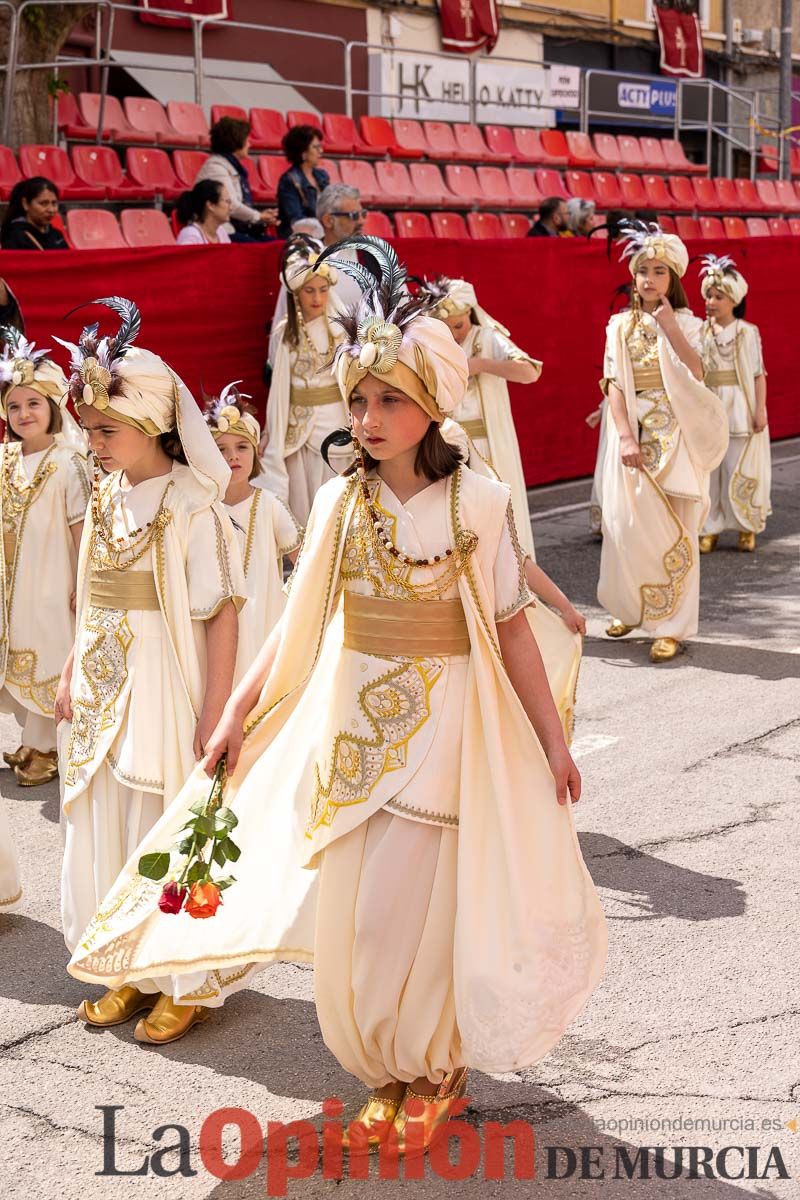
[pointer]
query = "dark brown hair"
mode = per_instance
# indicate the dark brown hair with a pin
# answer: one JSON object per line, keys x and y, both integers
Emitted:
{"x": 229, "y": 135}
{"x": 55, "y": 426}
{"x": 171, "y": 445}
{"x": 297, "y": 140}
{"x": 675, "y": 292}
{"x": 436, "y": 458}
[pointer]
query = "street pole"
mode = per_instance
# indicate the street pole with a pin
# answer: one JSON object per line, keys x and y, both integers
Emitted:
{"x": 729, "y": 82}
{"x": 785, "y": 107}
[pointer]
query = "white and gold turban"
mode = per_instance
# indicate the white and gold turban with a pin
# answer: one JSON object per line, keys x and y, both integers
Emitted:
{"x": 22, "y": 365}
{"x": 226, "y": 414}
{"x": 457, "y": 299}
{"x": 643, "y": 242}
{"x": 721, "y": 272}
{"x": 300, "y": 266}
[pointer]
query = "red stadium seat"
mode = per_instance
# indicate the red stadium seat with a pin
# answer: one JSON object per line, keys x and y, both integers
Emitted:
{"x": 303, "y": 116}
{"x": 667, "y": 223}
{"x": 147, "y": 116}
{"x": 632, "y": 191}
{"x": 515, "y": 225}
{"x": 658, "y": 197}
{"x": 794, "y": 160}
{"x": 784, "y": 190}
{"x": 653, "y": 154}
{"x": 70, "y": 121}
{"x": 428, "y": 186}
{"x": 53, "y": 163}
{"x": 377, "y": 224}
{"x": 682, "y": 192}
{"x": 152, "y": 169}
{"x": 267, "y": 128}
{"x": 261, "y": 193}
{"x": 756, "y": 227}
{"x": 554, "y": 147}
{"x": 270, "y": 168}
{"x": 441, "y": 142}
{"x": 377, "y": 136}
{"x": 408, "y": 139}
{"x": 630, "y": 153}
{"x": 332, "y": 167}
{"x": 341, "y": 136}
{"x": 470, "y": 143}
{"x": 580, "y": 184}
{"x": 711, "y": 227}
{"x": 687, "y": 228}
{"x": 413, "y": 225}
{"x": 394, "y": 183}
{"x": 188, "y": 118}
{"x": 187, "y": 163}
{"x": 550, "y": 183}
{"x": 146, "y": 227}
{"x": 749, "y": 200}
{"x": 768, "y": 195}
{"x": 768, "y": 159}
{"x": 794, "y": 226}
{"x": 523, "y": 187}
{"x": 529, "y": 145}
{"x": 581, "y": 150}
{"x": 676, "y": 160}
{"x": 115, "y": 123}
{"x": 607, "y": 187}
{"x": 94, "y": 229}
{"x": 494, "y": 185}
{"x": 9, "y": 172}
{"x": 735, "y": 226}
{"x": 607, "y": 151}
{"x": 463, "y": 183}
{"x": 778, "y": 226}
{"x": 728, "y": 196}
{"x": 448, "y": 225}
{"x": 99, "y": 167}
{"x": 218, "y": 111}
{"x": 485, "y": 226}
{"x": 360, "y": 174}
{"x": 500, "y": 141}
{"x": 705, "y": 194}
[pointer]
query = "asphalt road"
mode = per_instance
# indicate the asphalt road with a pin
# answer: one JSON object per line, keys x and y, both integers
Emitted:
{"x": 689, "y": 827}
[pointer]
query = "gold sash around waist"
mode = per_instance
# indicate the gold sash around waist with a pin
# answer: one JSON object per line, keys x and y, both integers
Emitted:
{"x": 124, "y": 589}
{"x": 474, "y": 429}
{"x": 314, "y": 397}
{"x": 646, "y": 379}
{"x": 432, "y": 628}
{"x": 721, "y": 379}
{"x": 9, "y": 546}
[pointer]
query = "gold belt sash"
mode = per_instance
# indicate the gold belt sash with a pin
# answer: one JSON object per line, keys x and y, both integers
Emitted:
{"x": 9, "y": 547}
{"x": 124, "y": 589}
{"x": 647, "y": 379}
{"x": 314, "y": 397}
{"x": 474, "y": 429}
{"x": 413, "y": 629}
{"x": 721, "y": 379}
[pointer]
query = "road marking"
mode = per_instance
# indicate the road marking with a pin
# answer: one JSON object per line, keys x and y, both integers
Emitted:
{"x": 555, "y": 512}
{"x": 591, "y": 742}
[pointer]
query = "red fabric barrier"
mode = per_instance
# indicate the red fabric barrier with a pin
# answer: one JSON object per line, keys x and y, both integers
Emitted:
{"x": 206, "y": 309}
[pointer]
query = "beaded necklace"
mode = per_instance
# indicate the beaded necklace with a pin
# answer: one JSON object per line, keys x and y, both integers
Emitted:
{"x": 110, "y": 552}
{"x": 318, "y": 363}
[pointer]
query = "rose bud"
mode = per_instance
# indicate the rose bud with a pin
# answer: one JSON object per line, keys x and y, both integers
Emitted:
{"x": 172, "y": 898}
{"x": 204, "y": 900}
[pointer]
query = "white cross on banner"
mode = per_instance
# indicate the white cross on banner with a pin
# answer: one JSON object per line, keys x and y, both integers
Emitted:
{"x": 681, "y": 42}
{"x": 469, "y": 25}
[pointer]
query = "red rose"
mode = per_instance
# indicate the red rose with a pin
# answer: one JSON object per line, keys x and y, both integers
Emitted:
{"x": 172, "y": 898}
{"x": 204, "y": 900}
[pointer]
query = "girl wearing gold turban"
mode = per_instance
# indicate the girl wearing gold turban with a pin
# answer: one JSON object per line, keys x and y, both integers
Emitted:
{"x": 396, "y": 736}
{"x": 265, "y": 528}
{"x": 45, "y": 492}
{"x": 734, "y": 366}
{"x": 159, "y": 586}
{"x": 304, "y": 404}
{"x": 666, "y": 432}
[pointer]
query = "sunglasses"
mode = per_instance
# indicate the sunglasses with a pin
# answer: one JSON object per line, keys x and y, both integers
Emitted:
{"x": 351, "y": 216}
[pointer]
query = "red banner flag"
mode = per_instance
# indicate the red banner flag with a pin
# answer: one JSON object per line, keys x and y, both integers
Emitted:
{"x": 220, "y": 9}
{"x": 681, "y": 42}
{"x": 469, "y": 25}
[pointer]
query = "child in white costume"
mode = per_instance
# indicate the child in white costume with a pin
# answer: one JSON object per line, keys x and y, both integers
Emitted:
{"x": 159, "y": 584}
{"x": 45, "y": 492}
{"x": 400, "y": 737}
{"x": 734, "y": 365}
{"x": 304, "y": 403}
{"x": 10, "y": 886}
{"x": 266, "y": 529}
{"x": 665, "y": 433}
{"x": 485, "y": 412}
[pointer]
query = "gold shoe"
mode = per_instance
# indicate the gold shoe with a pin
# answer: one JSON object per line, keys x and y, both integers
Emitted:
{"x": 416, "y": 1130}
{"x": 18, "y": 758}
{"x": 747, "y": 541}
{"x": 373, "y": 1124}
{"x": 169, "y": 1021}
{"x": 663, "y": 649}
{"x": 617, "y": 629}
{"x": 42, "y": 767}
{"x": 707, "y": 542}
{"x": 116, "y": 1006}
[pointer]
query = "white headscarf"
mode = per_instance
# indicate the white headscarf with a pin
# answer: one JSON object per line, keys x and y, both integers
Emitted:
{"x": 644, "y": 242}
{"x": 22, "y": 365}
{"x": 721, "y": 272}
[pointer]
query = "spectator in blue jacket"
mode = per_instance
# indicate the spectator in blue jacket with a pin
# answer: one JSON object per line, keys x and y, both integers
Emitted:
{"x": 300, "y": 187}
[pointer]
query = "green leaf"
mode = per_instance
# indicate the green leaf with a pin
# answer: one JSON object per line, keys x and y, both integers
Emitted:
{"x": 222, "y": 884}
{"x": 225, "y": 817}
{"x": 199, "y": 808}
{"x": 205, "y": 825}
{"x": 219, "y": 855}
{"x": 232, "y": 851}
{"x": 155, "y": 865}
{"x": 197, "y": 872}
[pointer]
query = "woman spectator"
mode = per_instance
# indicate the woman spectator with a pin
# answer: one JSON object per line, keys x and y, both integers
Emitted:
{"x": 301, "y": 186}
{"x": 204, "y": 213}
{"x": 580, "y": 217}
{"x": 230, "y": 145}
{"x": 28, "y": 223}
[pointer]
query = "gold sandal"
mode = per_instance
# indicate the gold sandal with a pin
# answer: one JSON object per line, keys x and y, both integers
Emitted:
{"x": 372, "y": 1124}
{"x": 421, "y": 1118}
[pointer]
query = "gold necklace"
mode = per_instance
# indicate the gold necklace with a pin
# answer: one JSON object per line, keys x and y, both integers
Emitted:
{"x": 16, "y": 501}
{"x": 318, "y": 364}
{"x": 110, "y": 552}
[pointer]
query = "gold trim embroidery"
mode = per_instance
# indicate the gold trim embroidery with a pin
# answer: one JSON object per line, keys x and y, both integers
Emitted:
{"x": 21, "y": 673}
{"x": 151, "y": 785}
{"x": 104, "y": 669}
{"x": 251, "y": 529}
{"x": 424, "y": 815}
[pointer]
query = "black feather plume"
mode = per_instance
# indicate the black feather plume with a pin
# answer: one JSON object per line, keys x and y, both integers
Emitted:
{"x": 339, "y": 437}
